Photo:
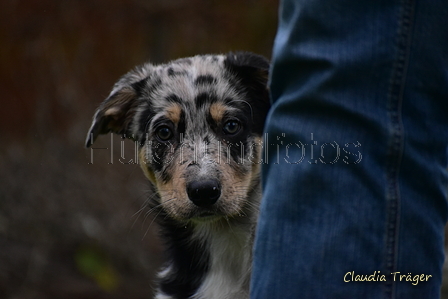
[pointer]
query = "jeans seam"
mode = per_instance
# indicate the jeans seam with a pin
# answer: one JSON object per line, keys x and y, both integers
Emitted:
{"x": 396, "y": 137}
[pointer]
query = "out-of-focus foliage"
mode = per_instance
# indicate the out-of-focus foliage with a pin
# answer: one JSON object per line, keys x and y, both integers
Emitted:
{"x": 70, "y": 229}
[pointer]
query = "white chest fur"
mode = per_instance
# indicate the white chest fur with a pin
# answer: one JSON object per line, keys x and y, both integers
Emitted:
{"x": 230, "y": 262}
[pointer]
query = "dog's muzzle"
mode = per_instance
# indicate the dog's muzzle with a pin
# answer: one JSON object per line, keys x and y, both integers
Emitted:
{"x": 204, "y": 193}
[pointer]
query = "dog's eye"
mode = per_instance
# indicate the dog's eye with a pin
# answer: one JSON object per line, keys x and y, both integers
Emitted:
{"x": 164, "y": 133}
{"x": 231, "y": 127}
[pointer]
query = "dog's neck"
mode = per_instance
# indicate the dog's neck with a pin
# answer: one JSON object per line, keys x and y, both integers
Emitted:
{"x": 229, "y": 262}
{"x": 208, "y": 260}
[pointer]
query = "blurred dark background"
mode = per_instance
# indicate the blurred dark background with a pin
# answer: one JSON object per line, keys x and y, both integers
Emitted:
{"x": 70, "y": 229}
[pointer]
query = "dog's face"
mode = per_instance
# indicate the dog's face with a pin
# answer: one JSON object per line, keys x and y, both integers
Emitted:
{"x": 199, "y": 123}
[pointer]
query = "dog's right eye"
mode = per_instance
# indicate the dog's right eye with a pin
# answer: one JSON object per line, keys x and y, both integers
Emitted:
{"x": 164, "y": 133}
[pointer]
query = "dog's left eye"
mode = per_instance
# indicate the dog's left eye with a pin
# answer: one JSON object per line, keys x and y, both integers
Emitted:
{"x": 164, "y": 133}
{"x": 231, "y": 127}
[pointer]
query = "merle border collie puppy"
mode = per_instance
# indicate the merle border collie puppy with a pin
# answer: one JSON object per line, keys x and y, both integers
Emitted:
{"x": 198, "y": 122}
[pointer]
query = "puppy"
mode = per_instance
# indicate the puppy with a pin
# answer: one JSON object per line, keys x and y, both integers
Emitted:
{"x": 198, "y": 122}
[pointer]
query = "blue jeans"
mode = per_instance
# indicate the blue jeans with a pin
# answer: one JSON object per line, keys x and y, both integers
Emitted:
{"x": 355, "y": 174}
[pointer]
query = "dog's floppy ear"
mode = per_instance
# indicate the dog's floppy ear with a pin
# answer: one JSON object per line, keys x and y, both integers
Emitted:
{"x": 116, "y": 113}
{"x": 252, "y": 70}
{"x": 249, "y": 67}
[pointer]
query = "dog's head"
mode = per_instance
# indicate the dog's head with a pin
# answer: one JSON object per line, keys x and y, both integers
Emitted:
{"x": 199, "y": 123}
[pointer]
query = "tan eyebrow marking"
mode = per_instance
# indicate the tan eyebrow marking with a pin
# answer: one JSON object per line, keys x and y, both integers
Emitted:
{"x": 217, "y": 111}
{"x": 173, "y": 112}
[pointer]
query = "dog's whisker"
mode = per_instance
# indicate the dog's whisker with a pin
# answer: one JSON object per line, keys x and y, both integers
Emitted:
{"x": 149, "y": 212}
{"x": 156, "y": 207}
{"x": 149, "y": 226}
{"x": 142, "y": 208}
{"x": 139, "y": 212}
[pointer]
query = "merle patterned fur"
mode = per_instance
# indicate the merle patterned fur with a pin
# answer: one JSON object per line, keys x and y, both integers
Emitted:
{"x": 199, "y": 124}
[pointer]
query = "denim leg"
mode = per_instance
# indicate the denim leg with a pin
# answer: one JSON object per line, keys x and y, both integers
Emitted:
{"x": 354, "y": 173}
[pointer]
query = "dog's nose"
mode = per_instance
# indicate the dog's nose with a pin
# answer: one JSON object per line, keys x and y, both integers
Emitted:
{"x": 204, "y": 193}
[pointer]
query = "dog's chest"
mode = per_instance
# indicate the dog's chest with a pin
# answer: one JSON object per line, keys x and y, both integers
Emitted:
{"x": 230, "y": 263}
